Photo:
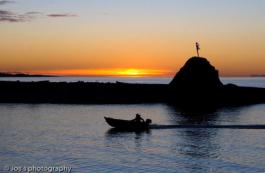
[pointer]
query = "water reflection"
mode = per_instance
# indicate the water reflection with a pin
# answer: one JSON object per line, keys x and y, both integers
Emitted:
{"x": 205, "y": 115}
{"x": 191, "y": 143}
{"x": 116, "y": 132}
{"x": 77, "y": 136}
{"x": 193, "y": 115}
{"x": 206, "y": 144}
{"x": 123, "y": 139}
{"x": 195, "y": 143}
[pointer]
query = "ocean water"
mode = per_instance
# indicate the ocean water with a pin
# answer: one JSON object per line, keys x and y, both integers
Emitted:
{"x": 76, "y": 136}
{"x": 241, "y": 81}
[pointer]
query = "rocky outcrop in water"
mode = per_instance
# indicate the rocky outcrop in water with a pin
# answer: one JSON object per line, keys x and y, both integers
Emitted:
{"x": 197, "y": 73}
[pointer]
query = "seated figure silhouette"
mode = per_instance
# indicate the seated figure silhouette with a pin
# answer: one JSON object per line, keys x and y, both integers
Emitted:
{"x": 138, "y": 119}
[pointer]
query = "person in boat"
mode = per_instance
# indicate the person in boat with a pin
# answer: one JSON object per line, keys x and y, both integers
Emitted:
{"x": 138, "y": 119}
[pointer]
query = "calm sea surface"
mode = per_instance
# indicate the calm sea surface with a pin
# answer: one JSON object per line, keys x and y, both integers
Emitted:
{"x": 77, "y": 136}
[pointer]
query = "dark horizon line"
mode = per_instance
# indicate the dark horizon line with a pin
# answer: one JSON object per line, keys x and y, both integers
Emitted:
{"x": 21, "y": 74}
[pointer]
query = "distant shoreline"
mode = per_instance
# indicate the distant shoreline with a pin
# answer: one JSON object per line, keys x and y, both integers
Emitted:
{"x": 5, "y": 74}
{"x": 258, "y": 75}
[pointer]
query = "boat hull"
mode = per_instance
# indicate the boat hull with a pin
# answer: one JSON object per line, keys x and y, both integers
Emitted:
{"x": 126, "y": 124}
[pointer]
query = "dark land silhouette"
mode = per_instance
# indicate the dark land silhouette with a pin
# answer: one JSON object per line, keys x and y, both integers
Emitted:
{"x": 257, "y": 75}
{"x": 196, "y": 84}
{"x": 7, "y": 74}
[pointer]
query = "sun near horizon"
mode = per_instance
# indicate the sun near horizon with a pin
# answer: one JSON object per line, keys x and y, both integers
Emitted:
{"x": 126, "y": 72}
{"x": 139, "y": 38}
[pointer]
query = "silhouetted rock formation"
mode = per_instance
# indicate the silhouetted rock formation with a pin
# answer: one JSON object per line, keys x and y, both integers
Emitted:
{"x": 197, "y": 83}
{"x": 197, "y": 73}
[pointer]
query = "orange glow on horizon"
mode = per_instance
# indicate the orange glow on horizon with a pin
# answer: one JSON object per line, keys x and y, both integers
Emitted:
{"x": 126, "y": 72}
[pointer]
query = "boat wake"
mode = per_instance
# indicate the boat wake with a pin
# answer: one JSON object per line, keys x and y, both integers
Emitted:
{"x": 157, "y": 126}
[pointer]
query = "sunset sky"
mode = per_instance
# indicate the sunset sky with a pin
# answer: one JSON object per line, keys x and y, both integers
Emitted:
{"x": 130, "y": 37}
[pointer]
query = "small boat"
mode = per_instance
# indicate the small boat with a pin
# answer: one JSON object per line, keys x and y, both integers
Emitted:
{"x": 128, "y": 124}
